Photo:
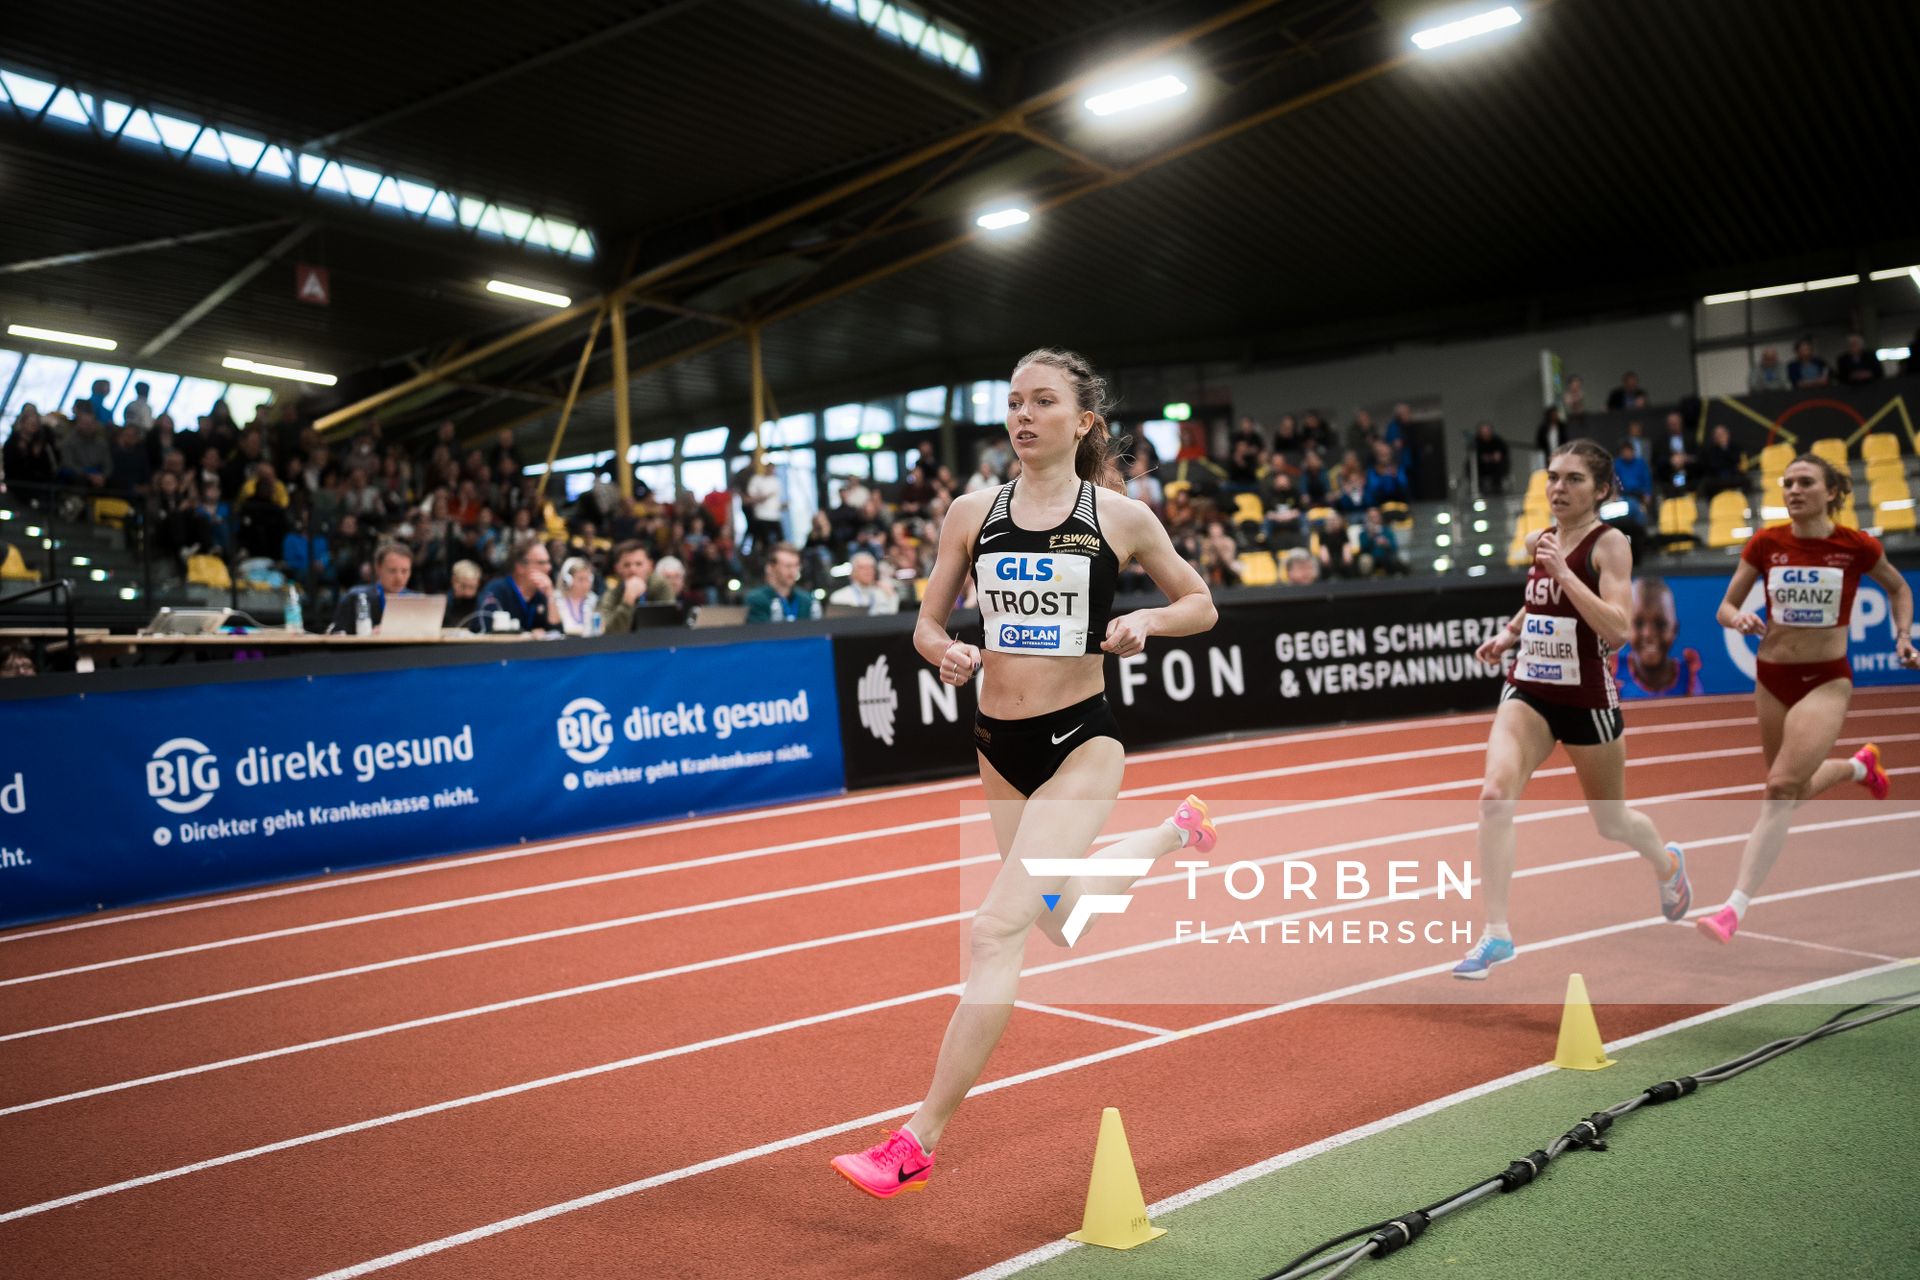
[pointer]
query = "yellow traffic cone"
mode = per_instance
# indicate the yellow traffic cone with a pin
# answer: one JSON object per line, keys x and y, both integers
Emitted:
{"x": 1580, "y": 1048}
{"x": 1116, "y": 1216}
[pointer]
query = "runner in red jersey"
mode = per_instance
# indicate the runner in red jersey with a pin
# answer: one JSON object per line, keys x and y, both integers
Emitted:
{"x": 1812, "y": 568}
{"x": 1560, "y": 689}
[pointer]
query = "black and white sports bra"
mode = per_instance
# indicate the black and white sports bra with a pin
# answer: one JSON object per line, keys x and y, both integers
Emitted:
{"x": 1045, "y": 592}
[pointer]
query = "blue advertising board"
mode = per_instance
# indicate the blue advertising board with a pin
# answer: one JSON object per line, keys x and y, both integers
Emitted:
{"x": 120, "y": 797}
{"x": 1680, "y": 648}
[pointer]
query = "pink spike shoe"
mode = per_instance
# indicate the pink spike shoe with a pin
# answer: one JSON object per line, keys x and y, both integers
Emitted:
{"x": 1876, "y": 782}
{"x": 1192, "y": 817}
{"x": 1720, "y": 926}
{"x": 885, "y": 1170}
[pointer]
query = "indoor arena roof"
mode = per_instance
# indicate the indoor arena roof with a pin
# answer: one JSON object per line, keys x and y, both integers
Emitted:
{"x": 813, "y": 168}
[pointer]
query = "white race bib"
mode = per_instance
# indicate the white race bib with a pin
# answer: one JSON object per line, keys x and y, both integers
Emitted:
{"x": 1805, "y": 596}
{"x": 1549, "y": 651}
{"x": 1035, "y": 602}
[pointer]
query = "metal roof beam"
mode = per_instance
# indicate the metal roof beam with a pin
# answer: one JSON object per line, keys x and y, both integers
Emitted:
{"x": 227, "y": 288}
{"x": 144, "y": 246}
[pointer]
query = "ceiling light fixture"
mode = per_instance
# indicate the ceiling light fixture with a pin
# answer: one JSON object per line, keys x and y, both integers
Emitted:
{"x": 55, "y": 335}
{"x": 278, "y": 371}
{"x": 1000, "y": 219}
{"x": 1467, "y": 28}
{"x": 542, "y": 296}
{"x": 1126, "y": 98}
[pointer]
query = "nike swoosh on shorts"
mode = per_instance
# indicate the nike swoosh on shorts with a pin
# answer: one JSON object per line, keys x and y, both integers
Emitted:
{"x": 1068, "y": 734}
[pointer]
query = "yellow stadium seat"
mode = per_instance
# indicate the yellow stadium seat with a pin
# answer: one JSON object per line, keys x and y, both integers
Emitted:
{"x": 1257, "y": 569}
{"x": 1887, "y": 489}
{"x": 1316, "y": 514}
{"x": 1895, "y": 517}
{"x": 1176, "y": 486}
{"x": 1884, "y": 469}
{"x": 13, "y": 568}
{"x": 1775, "y": 457}
{"x": 1678, "y": 516}
{"x": 1537, "y": 485}
{"x": 1729, "y": 521}
{"x": 1517, "y": 549}
{"x": 112, "y": 512}
{"x": 1880, "y": 446}
{"x": 1891, "y": 499}
{"x": 1397, "y": 514}
{"x": 1833, "y": 449}
{"x": 1847, "y": 517}
{"x": 1247, "y": 509}
{"x": 209, "y": 571}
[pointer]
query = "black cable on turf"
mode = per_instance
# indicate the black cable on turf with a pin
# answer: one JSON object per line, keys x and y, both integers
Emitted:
{"x": 1392, "y": 1234}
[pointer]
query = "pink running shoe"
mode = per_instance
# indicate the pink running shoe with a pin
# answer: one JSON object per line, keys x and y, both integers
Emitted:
{"x": 1719, "y": 926}
{"x": 1876, "y": 782}
{"x": 885, "y": 1170}
{"x": 1191, "y": 816}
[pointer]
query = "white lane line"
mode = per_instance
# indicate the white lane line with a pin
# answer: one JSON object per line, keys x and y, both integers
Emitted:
{"x": 1095, "y": 957}
{"x": 1239, "y": 1177}
{"x": 1816, "y": 946}
{"x": 609, "y": 877}
{"x": 431, "y": 1247}
{"x": 1004, "y": 1082}
{"x": 1217, "y": 748}
{"x": 1084, "y": 1016}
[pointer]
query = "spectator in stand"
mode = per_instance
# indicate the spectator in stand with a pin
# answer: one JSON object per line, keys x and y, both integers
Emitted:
{"x": 1350, "y": 488}
{"x": 985, "y": 478}
{"x": 215, "y": 517}
{"x": 29, "y": 459}
{"x": 1283, "y": 527}
{"x": 1807, "y": 369}
{"x": 1300, "y": 569}
{"x": 1398, "y": 432}
{"x": 131, "y": 469}
{"x": 1246, "y": 466}
{"x": 1288, "y": 447}
{"x": 161, "y": 441}
{"x": 1142, "y": 484}
{"x": 392, "y": 570}
{"x": 1573, "y": 398}
{"x": 1313, "y": 483}
{"x": 1721, "y": 466}
{"x": 627, "y": 586}
{"x": 364, "y": 498}
{"x": 521, "y": 596}
{"x": 1220, "y": 557}
{"x": 1768, "y": 373}
{"x": 305, "y": 549}
{"x": 239, "y": 467}
{"x": 1491, "y": 460}
{"x": 463, "y": 593}
{"x": 16, "y": 661}
{"x": 139, "y": 411}
{"x": 573, "y": 610}
{"x": 669, "y": 585}
{"x": 867, "y": 589}
{"x": 1338, "y": 558}
{"x": 1387, "y": 482}
{"x": 1551, "y": 433}
{"x": 172, "y": 529}
{"x": 766, "y": 508}
{"x": 86, "y": 459}
{"x": 263, "y": 512}
{"x": 779, "y": 599}
{"x": 98, "y": 401}
{"x": 1679, "y": 478}
{"x": 1379, "y": 550}
{"x": 1673, "y": 443}
{"x": 1622, "y": 396}
{"x": 1362, "y": 433}
{"x": 1632, "y": 474}
{"x": 352, "y": 553}
{"x": 1856, "y": 365}
{"x": 1314, "y": 431}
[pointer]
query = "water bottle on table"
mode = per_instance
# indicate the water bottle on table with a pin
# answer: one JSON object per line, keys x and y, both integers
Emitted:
{"x": 362, "y": 615}
{"x": 295, "y": 621}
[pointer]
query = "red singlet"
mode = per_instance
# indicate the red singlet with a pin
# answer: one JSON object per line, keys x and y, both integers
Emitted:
{"x": 1560, "y": 658}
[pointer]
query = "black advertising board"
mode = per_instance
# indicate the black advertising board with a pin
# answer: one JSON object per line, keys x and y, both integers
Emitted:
{"x": 1275, "y": 660}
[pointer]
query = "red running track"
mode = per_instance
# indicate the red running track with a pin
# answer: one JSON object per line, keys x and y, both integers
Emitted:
{"x": 567, "y": 1053}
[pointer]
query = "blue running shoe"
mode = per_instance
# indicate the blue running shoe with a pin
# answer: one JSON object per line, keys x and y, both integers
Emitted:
{"x": 1676, "y": 895}
{"x": 1489, "y": 952}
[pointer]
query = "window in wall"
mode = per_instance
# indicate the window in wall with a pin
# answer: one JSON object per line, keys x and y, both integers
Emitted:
{"x": 927, "y": 407}
{"x": 193, "y": 399}
{"x": 1164, "y": 436}
{"x": 658, "y": 477}
{"x": 886, "y": 467}
{"x": 578, "y": 482}
{"x": 45, "y": 101}
{"x": 160, "y": 387}
{"x": 651, "y": 451}
{"x": 902, "y": 23}
{"x": 794, "y": 429}
{"x": 42, "y": 383}
{"x": 795, "y": 469}
{"x": 83, "y": 380}
{"x": 9, "y": 366}
{"x": 987, "y": 401}
{"x": 244, "y": 402}
{"x": 846, "y": 421}
{"x": 703, "y": 476}
{"x": 705, "y": 443}
{"x": 842, "y": 465}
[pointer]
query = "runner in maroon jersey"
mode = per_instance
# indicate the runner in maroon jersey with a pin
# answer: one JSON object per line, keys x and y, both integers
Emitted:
{"x": 1579, "y": 605}
{"x": 1804, "y": 684}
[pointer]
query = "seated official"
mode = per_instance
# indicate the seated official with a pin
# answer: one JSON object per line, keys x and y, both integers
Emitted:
{"x": 522, "y": 595}
{"x": 392, "y": 569}
{"x": 781, "y": 600}
{"x": 628, "y": 587}
{"x": 573, "y": 609}
{"x": 868, "y": 590}
{"x": 463, "y": 592}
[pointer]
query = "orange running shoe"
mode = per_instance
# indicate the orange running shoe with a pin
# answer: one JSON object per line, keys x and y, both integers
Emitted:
{"x": 1876, "y": 782}
{"x": 1192, "y": 817}
{"x": 885, "y": 1170}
